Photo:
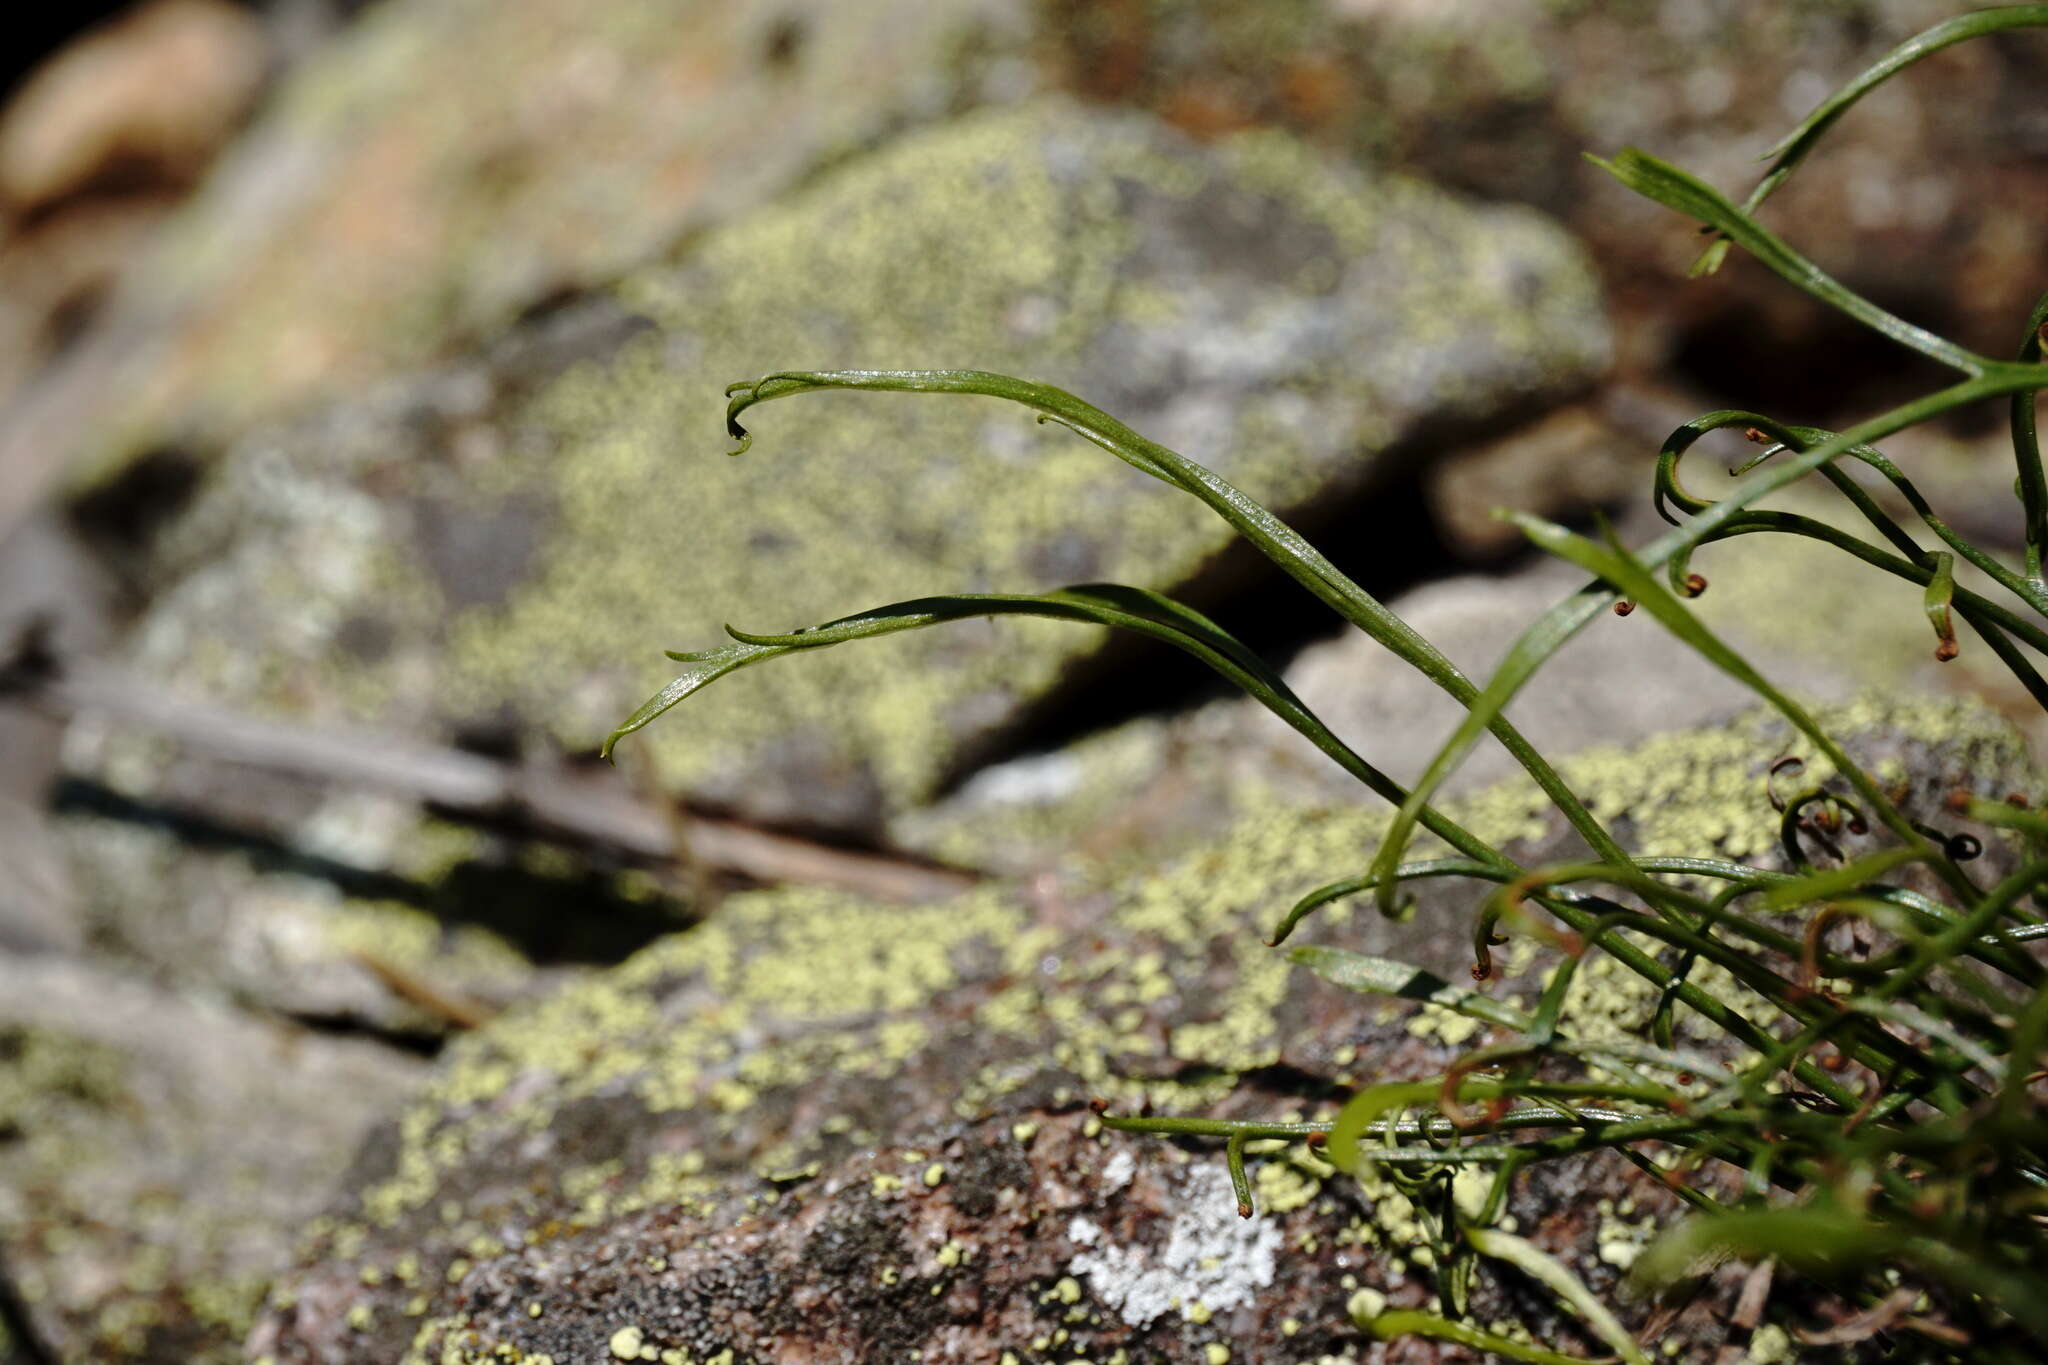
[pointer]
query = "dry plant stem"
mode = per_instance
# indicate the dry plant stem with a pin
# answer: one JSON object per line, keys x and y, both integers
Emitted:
{"x": 541, "y": 796}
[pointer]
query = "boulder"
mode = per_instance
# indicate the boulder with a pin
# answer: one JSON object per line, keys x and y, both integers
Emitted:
{"x": 1502, "y": 101}
{"x": 158, "y": 1154}
{"x": 440, "y": 167}
{"x": 1125, "y": 794}
{"x": 310, "y": 933}
{"x": 147, "y": 98}
{"x": 820, "y": 1128}
{"x": 506, "y": 546}
{"x": 445, "y": 165}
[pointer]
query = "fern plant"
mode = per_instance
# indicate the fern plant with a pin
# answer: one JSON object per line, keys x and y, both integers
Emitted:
{"x": 1885, "y": 1121}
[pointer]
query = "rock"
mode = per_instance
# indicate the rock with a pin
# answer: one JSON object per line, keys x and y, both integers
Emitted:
{"x": 373, "y": 914}
{"x": 285, "y": 928}
{"x": 1503, "y": 101}
{"x": 456, "y": 553}
{"x": 1163, "y": 782}
{"x": 149, "y": 97}
{"x": 1571, "y": 462}
{"x": 53, "y": 601}
{"x": 443, "y": 166}
{"x": 54, "y": 275}
{"x": 158, "y": 1154}
{"x": 819, "y": 1128}
{"x": 38, "y": 903}
{"x": 526, "y": 184}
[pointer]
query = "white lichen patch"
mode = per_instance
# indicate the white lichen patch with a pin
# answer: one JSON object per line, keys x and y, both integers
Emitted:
{"x": 1212, "y": 1257}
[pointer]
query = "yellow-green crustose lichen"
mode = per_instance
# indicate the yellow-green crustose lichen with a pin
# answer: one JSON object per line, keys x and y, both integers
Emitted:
{"x": 1164, "y": 1001}
{"x": 851, "y": 501}
{"x": 64, "y": 1100}
{"x": 1041, "y": 240}
{"x": 1693, "y": 792}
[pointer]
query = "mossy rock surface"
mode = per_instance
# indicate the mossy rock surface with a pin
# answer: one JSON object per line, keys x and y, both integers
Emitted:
{"x": 517, "y": 539}
{"x": 821, "y": 1128}
{"x": 158, "y": 1155}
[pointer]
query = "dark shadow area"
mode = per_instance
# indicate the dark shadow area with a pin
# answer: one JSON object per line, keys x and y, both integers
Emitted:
{"x": 120, "y": 519}
{"x": 423, "y": 1045}
{"x": 576, "y": 916}
{"x": 127, "y": 511}
{"x": 1800, "y": 362}
{"x": 25, "y": 1345}
{"x": 35, "y": 31}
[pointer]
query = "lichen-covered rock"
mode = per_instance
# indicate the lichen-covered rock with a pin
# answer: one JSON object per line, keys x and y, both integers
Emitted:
{"x": 158, "y": 1154}
{"x": 281, "y": 928}
{"x": 1157, "y": 782}
{"x": 818, "y": 1128}
{"x": 442, "y": 166}
{"x": 448, "y": 164}
{"x": 458, "y": 551}
{"x": 1502, "y": 100}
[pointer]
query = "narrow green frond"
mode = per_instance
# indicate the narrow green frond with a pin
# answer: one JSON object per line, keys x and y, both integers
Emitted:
{"x": 2026, "y": 447}
{"x": 1837, "y": 881}
{"x": 1794, "y": 146}
{"x": 1693, "y": 197}
{"x": 706, "y": 667}
{"x": 1384, "y": 976}
{"x": 1626, "y": 575}
{"x": 1351, "y": 886}
{"x": 1405, "y": 1322}
{"x": 1271, "y": 536}
{"x": 1547, "y": 1270}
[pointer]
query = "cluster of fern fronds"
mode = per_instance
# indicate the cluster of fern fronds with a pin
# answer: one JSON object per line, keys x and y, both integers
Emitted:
{"x": 1873, "y": 1103}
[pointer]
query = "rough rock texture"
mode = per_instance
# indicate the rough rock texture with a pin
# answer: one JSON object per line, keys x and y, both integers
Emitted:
{"x": 498, "y": 546}
{"x": 439, "y": 202}
{"x": 1501, "y": 100}
{"x": 285, "y": 929}
{"x": 149, "y": 97}
{"x": 158, "y": 1153}
{"x": 445, "y": 165}
{"x": 817, "y": 1128}
{"x": 1155, "y": 782}
{"x": 97, "y": 146}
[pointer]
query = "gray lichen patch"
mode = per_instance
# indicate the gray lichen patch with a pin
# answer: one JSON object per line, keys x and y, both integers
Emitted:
{"x": 907, "y": 1084}
{"x": 598, "y": 522}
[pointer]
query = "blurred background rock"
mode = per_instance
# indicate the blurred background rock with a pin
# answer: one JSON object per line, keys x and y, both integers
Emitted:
{"x": 358, "y": 436}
